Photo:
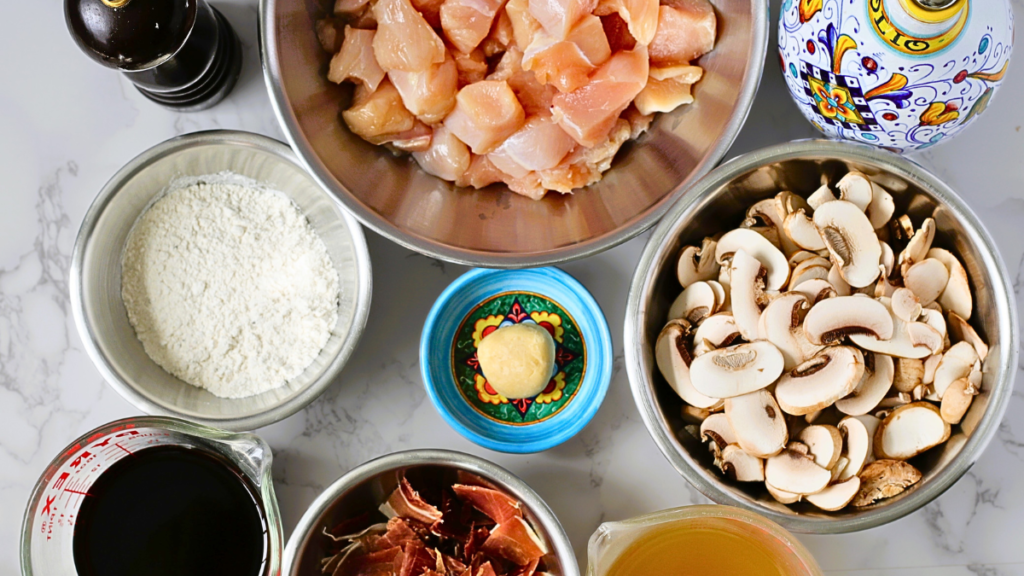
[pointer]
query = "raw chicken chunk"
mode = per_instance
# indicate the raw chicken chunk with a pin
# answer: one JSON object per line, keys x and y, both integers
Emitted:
{"x": 539, "y": 145}
{"x": 447, "y": 158}
{"x": 584, "y": 166}
{"x": 485, "y": 114}
{"x": 686, "y": 31}
{"x": 431, "y": 10}
{"x": 404, "y": 40}
{"x": 640, "y": 16}
{"x": 349, "y": 7}
{"x": 416, "y": 139}
{"x": 355, "y": 61}
{"x": 683, "y": 72}
{"x": 663, "y": 96}
{"x": 378, "y": 116}
{"x": 534, "y": 97}
{"x": 558, "y": 16}
{"x": 329, "y": 34}
{"x": 559, "y": 63}
{"x": 472, "y": 67}
{"x": 481, "y": 172}
{"x": 429, "y": 94}
{"x": 502, "y": 161}
{"x": 501, "y": 37}
{"x": 588, "y": 114}
{"x": 467, "y": 22}
{"x": 524, "y": 25}
{"x": 589, "y": 35}
{"x": 617, "y": 32}
{"x": 528, "y": 185}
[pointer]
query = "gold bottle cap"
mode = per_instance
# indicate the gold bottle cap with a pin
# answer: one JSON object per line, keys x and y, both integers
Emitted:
{"x": 115, "y": 3}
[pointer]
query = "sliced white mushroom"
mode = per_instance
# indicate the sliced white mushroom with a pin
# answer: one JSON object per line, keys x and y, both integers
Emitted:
{"x": 850, "y": 240}
{"x": 781, "y": 322}
{"x": 815, "y": 290}
{"x": 821, "y": 196}
{"x": 800, "y": 256}
{"x": 881, "y": 208}
{"x": 956, "y": 297}
{"x": 926, "y": 279}
{"x": 721, "y": 296}
{"x": 878, "y": 377}
{"x": 757, "y": 246}
{"x": 747, "y": 275}
{"x": 736, "y": 370}
{"x": 905, "y": 305}
{"x": 717, "y": 331}
{"x": 800, "y": 229}
{"x": 782, "y": 496}
{"x": 902, "y": 228}
{"x": 820, "y": 381}
{"x": 898, "y": 344}
{"x": 888, "y": 260}
{"x": 837, "y": 496}
{"x": 672, "y": 354}
{"x": 871, "y": 424}
{"x": 857, "y": 444}
{"x": 931, "y": 364}
{"x": 695, "y": 415}
{"x": 920, "y": 243}
{"x": 910, "y": 430}
{"x": 694, "y": 304}
{"x": 909, "y": 374}
{"x": 923, "y": 335}
{"x": 832, "y": 319}
{"x": 824, "y": 442}
{"x": 768, "y": 211}
{"x": 716, "y": 429}
{"x": 758, "y": 422}
{"x": 884, "y": 288}
{"x": 810, "y": 269}
{"x": 884, "y": 479}
{"x": 838, "y": 282}
{"x": 956, "y": 363}
{"x": 957, "y": 400}
{"x": 697, "y": 264}
{"x": 839, "y": 468}
{"x": 740, "y": 466}
{"x": 799, "y": 447}
{"x": 961, "y": 331}
{"x": 856, "y": 189}
{"x": 796, "y": 473}
{"x": 786, "y": 202}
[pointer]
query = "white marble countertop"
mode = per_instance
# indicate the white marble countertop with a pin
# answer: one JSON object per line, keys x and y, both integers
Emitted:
{"x": 66, "y": 125}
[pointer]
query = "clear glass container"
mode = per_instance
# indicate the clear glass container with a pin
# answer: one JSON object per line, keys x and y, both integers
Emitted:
{"x": 48, "y": 528}
{"x": 612, "y": 539}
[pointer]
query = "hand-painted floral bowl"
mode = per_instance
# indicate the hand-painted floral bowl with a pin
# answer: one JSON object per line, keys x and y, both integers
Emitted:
{"x": 482, "y": 301}
{"x": 901, "y": 74}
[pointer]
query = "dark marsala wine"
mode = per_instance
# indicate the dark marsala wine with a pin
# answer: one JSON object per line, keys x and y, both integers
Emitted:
{"x": 170, "y": 510}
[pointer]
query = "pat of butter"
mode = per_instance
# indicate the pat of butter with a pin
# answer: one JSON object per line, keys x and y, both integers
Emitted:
{"x": 517, "y": 360}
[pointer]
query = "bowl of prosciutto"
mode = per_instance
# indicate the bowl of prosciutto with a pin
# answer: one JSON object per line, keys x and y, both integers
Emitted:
{"x": 429, "y": 512}
{"x": 511, "y": 133}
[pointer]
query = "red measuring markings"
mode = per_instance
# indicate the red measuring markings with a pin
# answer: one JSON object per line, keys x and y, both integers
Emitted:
{"x": 118, "y": 444}
{"x": 46, "y": 509}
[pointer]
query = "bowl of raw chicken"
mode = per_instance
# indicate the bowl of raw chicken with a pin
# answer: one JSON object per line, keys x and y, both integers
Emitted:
{"x": 823, "y": 333}
{"x": 511, "y": 133}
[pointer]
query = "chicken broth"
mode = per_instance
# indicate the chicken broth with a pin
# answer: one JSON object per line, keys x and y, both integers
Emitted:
{"x": 705, "y": 546}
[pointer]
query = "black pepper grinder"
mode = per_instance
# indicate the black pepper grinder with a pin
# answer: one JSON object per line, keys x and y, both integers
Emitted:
{"x": 182, "y": 54}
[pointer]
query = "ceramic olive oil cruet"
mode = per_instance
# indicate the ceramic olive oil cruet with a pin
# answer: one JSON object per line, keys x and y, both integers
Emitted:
{"x": 901, "y": 74}
{"x": 182, "y": 54}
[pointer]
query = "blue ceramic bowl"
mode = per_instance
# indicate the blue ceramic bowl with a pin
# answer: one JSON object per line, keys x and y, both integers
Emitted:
{"x": 481, "y": 301}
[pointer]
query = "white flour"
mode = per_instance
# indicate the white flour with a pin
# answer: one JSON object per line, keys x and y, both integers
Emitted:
{"x": 228, "y": 287}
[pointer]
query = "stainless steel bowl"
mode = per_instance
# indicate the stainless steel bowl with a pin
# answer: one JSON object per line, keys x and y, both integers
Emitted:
{"x": 718, "y": 202}
{"x": 367, "y": 486}
{"x": 494, "y": 227}
{"x": 96, "y": 277}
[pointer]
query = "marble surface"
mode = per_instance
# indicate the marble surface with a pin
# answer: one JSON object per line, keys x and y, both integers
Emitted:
{"x": 66, "y": 125}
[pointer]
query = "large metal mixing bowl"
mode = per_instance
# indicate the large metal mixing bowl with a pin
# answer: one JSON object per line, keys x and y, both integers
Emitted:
{"x": 495, "y": 227}
{"x": 718, "y": 203}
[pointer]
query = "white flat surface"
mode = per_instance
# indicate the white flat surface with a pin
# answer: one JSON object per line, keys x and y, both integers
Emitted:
{"x": 67, "y": 124}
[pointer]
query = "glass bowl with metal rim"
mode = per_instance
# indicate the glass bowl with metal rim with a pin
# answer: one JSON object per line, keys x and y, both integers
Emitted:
{"x": 718, "y": 203}
{"x": 95, "y": 278}
{"x": 494, "y": 227}
{"x": 366, "y": 487}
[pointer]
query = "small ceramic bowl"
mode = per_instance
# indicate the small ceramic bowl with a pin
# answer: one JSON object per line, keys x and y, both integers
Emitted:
{"x": 367, "y": 486}
{"x": 95, "y": 277}
{"x": 478, "y": 303}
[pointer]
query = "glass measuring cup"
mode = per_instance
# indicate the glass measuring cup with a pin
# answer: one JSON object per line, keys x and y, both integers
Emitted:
{"x": 48, "y": 527}
{"x": 613, "y": 539}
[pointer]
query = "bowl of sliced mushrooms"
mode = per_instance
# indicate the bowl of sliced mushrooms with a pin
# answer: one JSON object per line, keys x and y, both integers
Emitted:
{"x": 823, "y": 333}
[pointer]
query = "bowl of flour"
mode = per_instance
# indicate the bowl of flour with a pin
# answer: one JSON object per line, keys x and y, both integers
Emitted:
{"x": 214, "y": 280}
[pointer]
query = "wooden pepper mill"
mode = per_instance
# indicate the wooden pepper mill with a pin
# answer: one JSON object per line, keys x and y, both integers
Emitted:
{"x": 182, "y": 54}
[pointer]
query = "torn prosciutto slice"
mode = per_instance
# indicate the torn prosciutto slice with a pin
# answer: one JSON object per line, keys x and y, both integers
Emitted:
{"x": 640, "y": 16}
{"x": 355, "y": 61}
{"x": 588, "y": 114}
{"x": 528, "y": 570}
{"x": 485, "y": 114}
{"x": 430, "y": 93}
{"x": 558, "y": 16}
{"x": 467, "y": 22}
{"x": 417, "y": 560}
{"x": 399, "y": 534}
{"x": 405, "y": 502}
{"x": 516, "y": 541}
{"x": 686, "y": 31}
{"x": 404, "y": 40}
{"x": 498, "y": 506}
{"x": 486, "y": 569}
{"x": 447, "y": 157}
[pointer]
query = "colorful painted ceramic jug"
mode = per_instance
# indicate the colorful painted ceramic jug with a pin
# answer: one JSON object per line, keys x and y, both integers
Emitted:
{"x": 902, "y": 74}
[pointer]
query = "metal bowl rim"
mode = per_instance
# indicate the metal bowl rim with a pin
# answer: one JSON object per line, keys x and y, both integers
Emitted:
{"x": 642, "y": 383}
{"x": 127, "y": 390}
{"x": 560, "y": 544}
{"x": 289, "y": 125}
